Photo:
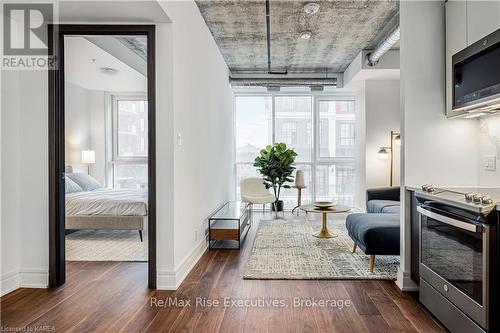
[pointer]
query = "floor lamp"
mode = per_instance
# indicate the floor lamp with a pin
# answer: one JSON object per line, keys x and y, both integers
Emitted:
{"x": 386, "y": 151}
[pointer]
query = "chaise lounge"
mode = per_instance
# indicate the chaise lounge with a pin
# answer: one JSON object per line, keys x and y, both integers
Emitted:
{"x": 377, "y": 231}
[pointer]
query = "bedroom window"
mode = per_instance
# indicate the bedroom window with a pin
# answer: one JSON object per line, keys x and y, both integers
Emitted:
{"x": 130, "y": 142}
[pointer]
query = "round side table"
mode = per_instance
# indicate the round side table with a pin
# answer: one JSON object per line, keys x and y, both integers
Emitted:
{"x": 325, "y": 233}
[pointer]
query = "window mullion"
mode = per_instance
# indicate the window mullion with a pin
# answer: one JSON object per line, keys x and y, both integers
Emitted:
{"x": 315, "y": 142}
{"x": 273, "y": 119}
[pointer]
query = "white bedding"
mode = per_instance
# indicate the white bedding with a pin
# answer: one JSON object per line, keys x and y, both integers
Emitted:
{"x": 104, "y": 201}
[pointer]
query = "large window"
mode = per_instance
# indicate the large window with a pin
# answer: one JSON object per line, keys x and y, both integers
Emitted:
{"x": 321, "y": 129}
{"x": 253, "y": 125}
{"x": 336, "y": 128}
{"x": 130, "y": 142}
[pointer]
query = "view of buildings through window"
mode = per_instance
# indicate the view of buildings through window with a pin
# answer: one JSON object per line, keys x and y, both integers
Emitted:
{"x": 130, "y": 143}
{"x": 320, "y": 129}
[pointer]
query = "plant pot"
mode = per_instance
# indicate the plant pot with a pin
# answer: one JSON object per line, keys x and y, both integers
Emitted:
{"x": 278, "y": 206}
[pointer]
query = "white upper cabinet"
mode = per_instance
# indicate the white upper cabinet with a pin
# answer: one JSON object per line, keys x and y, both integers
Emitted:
{"x": 456, "y": 26}
{"x": 483, "y": 18}
{"x": 456, "y": 40}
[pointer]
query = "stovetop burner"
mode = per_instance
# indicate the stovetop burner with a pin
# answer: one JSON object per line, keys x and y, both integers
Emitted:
{"x": 482, "y": 200}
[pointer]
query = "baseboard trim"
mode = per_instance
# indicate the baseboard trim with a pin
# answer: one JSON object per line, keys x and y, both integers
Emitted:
{"x": 26, "y": 278}
{"x": 405, "y": 282}
{"x": 34, "y": 278}
{"x": 9, "y": 282}
{"x": 171, "y": 280}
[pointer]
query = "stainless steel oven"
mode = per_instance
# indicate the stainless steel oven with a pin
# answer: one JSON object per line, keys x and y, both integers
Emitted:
{"x": 455, "y": 253}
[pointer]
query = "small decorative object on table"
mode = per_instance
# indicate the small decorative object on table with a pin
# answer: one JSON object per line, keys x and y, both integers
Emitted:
{"x": 299, "y": 185}
{"x": 324, "y": 204}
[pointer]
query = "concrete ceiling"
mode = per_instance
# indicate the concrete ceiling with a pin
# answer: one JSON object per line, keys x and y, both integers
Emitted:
{"x": 84, "y": 61}
{"x": 340, "y": 30}
{"x": 113, "y": 11}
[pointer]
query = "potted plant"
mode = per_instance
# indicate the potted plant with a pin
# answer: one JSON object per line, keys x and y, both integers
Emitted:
{"x": 275, "y": 164}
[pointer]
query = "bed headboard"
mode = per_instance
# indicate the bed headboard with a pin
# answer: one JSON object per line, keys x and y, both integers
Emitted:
{"x": 68, "y": 169}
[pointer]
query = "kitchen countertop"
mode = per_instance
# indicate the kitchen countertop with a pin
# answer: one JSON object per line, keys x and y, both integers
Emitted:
{"x": 493, "y": 192}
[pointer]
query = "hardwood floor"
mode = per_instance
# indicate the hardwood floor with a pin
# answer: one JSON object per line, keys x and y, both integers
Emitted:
{"x": 113, "y": 297}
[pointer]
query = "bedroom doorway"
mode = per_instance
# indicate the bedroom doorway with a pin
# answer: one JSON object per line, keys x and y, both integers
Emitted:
{"x": 102, "y": 147}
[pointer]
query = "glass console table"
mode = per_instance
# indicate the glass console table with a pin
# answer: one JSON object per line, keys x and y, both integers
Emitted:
{"x": 229, "y": 225}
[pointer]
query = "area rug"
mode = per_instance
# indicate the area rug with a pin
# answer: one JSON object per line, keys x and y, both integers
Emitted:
{"x": 286, "y": 249}
{"x": 106, "y": 245}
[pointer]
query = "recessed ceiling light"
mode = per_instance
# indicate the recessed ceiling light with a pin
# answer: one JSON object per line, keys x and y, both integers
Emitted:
{"x": 311, "y": 8}
{"x": 305, "y": 34}
{"x": 109, "y": 70}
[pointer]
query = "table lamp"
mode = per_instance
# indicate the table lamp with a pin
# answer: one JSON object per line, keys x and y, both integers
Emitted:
{"x": 88, "y": 157}
{"x": 299, "y": 179}
{"x": 299, "y": 185}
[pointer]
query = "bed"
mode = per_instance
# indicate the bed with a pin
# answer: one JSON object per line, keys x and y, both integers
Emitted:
{"x": 94, "y": 207}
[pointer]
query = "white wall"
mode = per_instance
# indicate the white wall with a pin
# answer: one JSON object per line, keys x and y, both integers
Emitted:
{"x": 436, "y": 150}
{"x": 97, "y": 132}
{"x": 383, "y": 115}
{"x": 377, "y": 113}
{"x": 85, "y": 128}
{"x": 204, "y": 164}
{"x": 449, "y": 144}
{"x": 360, "y": 198}
{"x": 489, "y": 147}
{"x": 10, "y": 245}
{"x": 77, "y": 125}
{"x": 25, "y": 184}
{"x": 165, "y": 140}
{"x": 193, "y": 98}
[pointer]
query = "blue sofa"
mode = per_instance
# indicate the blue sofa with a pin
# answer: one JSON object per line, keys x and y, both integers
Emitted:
{"x": 377, "y": 231}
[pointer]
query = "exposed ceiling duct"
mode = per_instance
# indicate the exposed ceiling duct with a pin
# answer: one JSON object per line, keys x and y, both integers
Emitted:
{"x": 387, "y": 43}
{"x": 282, "y": 82}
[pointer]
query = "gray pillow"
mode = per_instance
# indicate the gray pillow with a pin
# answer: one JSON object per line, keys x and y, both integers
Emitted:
{"x": 86, "y": 182}
{"x": 71, "y": 186}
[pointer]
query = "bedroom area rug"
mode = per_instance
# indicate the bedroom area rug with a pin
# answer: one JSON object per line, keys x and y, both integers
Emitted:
{"x": 106, "y": 245}
{"x": 286, "y": 250}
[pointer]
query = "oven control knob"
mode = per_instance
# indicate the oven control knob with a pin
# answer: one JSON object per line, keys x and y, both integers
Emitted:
{"x": 477, "y": 197}
{"x": 428, "y": 188}
{"x": 487, "y": 200}
{"x": 445, "y": 287}
{"x": 469, "y": 196}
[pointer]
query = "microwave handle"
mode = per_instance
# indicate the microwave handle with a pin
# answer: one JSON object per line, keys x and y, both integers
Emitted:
{"x": 448, "y": 220}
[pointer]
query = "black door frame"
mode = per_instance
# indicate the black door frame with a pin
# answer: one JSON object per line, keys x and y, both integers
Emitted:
{"x": 56, "y": 33}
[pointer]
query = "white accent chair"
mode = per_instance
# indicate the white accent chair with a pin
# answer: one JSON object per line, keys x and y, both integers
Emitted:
{"x": 254, "y": 191}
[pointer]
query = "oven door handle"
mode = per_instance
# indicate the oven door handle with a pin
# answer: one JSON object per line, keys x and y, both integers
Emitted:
{"x": 448, "y": 220}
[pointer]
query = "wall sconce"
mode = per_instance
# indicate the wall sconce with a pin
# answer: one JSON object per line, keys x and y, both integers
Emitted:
{"x": 397, "y": 139}
{"x": 385, "y": 151}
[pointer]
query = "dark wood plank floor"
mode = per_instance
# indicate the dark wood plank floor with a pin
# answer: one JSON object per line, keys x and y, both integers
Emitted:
{"x": 113, "y": 297}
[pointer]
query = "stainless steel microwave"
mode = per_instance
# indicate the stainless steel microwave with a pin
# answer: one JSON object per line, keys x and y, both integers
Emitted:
{"x": 476, "y": 76}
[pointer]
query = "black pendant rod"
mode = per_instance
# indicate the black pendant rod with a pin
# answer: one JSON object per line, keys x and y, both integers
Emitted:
{"x": 268, "y": 31}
